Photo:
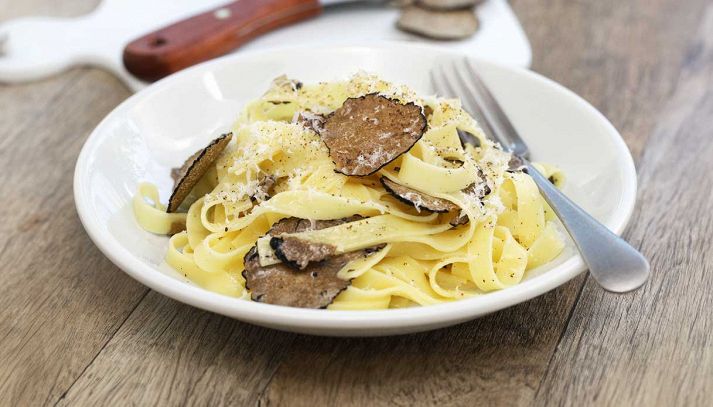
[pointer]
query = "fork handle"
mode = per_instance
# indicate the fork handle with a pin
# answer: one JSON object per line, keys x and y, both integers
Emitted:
{"x": 614, "y": 263}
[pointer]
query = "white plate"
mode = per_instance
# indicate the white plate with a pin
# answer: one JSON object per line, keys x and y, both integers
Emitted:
{"x": 160, "y": 126}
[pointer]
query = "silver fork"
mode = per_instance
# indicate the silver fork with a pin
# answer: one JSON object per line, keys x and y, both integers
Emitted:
{"x": 613, "y": 263}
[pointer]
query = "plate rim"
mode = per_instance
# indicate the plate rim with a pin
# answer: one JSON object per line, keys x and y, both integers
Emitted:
{"x": 340, "y": 322}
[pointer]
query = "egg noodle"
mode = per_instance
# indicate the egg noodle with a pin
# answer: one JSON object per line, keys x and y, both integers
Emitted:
{"x": 425, "y": 260}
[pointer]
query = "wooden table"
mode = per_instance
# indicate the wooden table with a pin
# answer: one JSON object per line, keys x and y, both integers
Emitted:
{"x": 75, "y": 330}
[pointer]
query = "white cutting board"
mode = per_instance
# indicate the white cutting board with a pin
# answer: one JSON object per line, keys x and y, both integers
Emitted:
{"x": 36, "y": 47}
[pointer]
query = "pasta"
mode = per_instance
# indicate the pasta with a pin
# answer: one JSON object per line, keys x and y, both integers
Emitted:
{"x": 277, "y": 167}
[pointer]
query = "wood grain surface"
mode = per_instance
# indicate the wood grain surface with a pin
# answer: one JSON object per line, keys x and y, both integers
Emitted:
{"x": 75, "y": 330}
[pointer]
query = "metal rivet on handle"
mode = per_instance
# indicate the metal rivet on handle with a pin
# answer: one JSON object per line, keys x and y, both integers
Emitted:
{"x": 223, "y": 13}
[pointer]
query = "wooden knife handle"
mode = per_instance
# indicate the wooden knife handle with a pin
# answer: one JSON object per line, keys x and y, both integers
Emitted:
{"x": 210, "y": 35}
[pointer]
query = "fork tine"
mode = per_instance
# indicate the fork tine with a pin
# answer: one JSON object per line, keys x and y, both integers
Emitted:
{"x": 441, "y": 85}
{"x": 447, "y": 87}
{"x": 466, "y": 95}
{"x": 494, "y": 114}
{"x": 450, "y": 88}
{"x": 472, "y": 92}
{"x": 469, "y": 97}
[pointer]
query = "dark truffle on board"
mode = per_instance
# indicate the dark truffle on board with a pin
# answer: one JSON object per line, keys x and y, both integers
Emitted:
{"x": 448, "y": 4}
{"x": 438, "y": 24}
{"x": 368, "y": 132}
{"x": 194, "y": 168}
{"x": 416, "y": 198}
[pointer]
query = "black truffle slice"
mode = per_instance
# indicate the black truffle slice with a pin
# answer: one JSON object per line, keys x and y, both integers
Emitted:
{"x": 368, "y": 132}
{"x": 297, "y": 253}
{"x": 461, "y": 219}
{"x": 296, "y": 225}
{"x": 314, "y": 287}
{"x": 176, "y": 172}
{"x": 438, "y": 24}
{"x": 418, "y": 199}
{"x": 194, "y": 168}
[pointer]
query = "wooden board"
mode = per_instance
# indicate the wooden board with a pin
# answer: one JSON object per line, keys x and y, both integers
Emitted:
{"x": 74, "y": 330}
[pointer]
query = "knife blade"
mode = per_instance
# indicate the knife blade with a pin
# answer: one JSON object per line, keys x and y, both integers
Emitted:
{"x": 213, "y": 33}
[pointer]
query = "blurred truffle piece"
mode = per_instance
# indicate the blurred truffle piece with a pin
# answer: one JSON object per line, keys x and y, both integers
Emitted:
{"x": 438, "y": 24}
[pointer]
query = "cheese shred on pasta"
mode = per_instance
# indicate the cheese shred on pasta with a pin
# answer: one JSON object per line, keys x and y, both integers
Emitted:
{"x": 425, "y": 260}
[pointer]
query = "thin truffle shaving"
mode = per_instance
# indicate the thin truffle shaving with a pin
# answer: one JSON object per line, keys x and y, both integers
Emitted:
{"x": 194, "y": 168}
{"x": 297, "y": 253}
{"x": 418, "y": 199}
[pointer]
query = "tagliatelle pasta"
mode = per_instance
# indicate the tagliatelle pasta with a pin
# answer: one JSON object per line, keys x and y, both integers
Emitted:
{"x": 391, "y": 249}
